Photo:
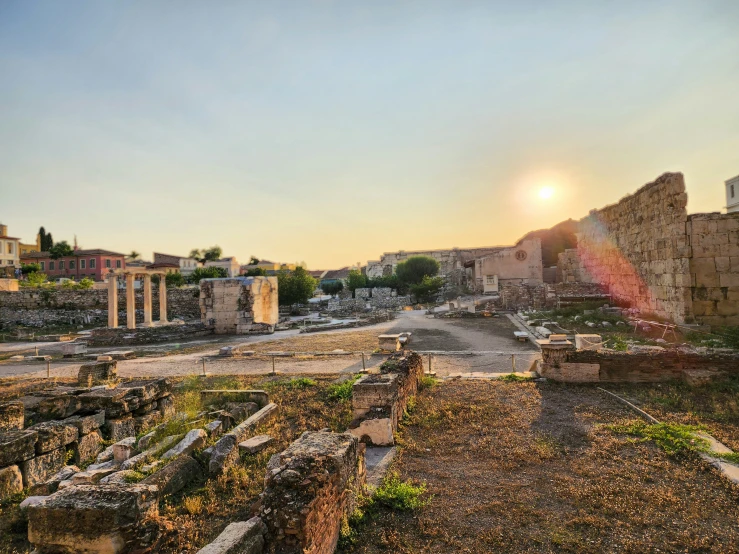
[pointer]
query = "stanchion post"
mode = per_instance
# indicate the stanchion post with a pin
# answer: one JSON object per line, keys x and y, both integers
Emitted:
{"x": 36, "y": 350}
{"x": 513, "y": 362}
{"x": 273, "y": 366}
{"x": 364, "y": 367}
{"x": 429, "y": 363}
{"x": 203, "y": 366}
{"x": 48, "y": 369}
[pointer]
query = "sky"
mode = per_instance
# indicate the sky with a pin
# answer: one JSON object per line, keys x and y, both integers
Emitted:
{"x": 333, "y": 131}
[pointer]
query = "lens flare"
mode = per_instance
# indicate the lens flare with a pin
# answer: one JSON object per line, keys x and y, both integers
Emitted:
{"x": 546, "y": 192}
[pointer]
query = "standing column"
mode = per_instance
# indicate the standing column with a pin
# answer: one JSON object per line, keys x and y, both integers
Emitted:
{"x": 163, "y": 298}
{"x": 147, "y": 300}
{"x": 112, "y": 300}
{"x": 130, "y": 301}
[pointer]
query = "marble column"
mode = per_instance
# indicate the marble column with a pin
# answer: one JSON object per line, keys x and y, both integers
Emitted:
{"x": 112, "y": 300}
{"x": 163, "y": 298}
{"x": 147, "y": 300}
{"x": 130, "y": 301}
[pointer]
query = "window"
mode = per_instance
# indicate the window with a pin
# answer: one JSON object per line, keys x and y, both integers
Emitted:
{"x": 51, "y": 266}
{"x": 107, "y": 263}
{"x": 10, "y": 247}
{"x": 61, "y": 264}
{"x": 42, "y": 265}
{"x": 71, "y": 264}
{"x": 118, "y": 264}
{"x": 92, "y": 263}
{"x": 490, "y": 279}
{"x": 732, "y": 191}
{"x": 82, "y": 264}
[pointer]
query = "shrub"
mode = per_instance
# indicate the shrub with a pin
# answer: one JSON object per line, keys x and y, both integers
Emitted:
{"x": 341, "y": 391}
{"x": 414, "y": 269}
{"x": 207, "y": 273}
{"x": 30, "y": 268}
{"x": 332, "y": 287}
{"x": 356, "y": 280}
{"x": 294, "y": 287}
{"x": 400, "y": 495}
{"x": 428, "y": 288}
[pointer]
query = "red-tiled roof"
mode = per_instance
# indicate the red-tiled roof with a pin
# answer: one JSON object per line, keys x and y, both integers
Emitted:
{"x": 342, "y": 273}
{"x": 76, "y": 253}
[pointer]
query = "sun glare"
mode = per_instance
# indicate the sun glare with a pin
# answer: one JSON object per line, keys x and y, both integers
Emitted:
{"x": 546, "y": 193}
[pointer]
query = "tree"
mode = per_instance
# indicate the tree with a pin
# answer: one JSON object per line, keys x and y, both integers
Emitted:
{"x": 207, "y": 273}
{"x": 256, "y": 272}
{"x": 428, "y": 289}
{"x": 332, "y": 287}
{"x": 390, "y": 281}
{"x": 60, "y": 249}
{"x": 49, "y": 243}
{"x": 134, "y": 255}
{"x": 356, "y": 280}
{"x": 414, "y": 269}
{"x": 253, "y": 260}
{"x": 172, "y": 280}
{"x": 206, "y": 255}
{"x": 295, "y": 287}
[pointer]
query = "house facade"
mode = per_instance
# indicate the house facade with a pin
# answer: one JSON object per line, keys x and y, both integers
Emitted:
{"x": 520, "y": 264}
{"x": 231, "y": 265}
{"x": 93, "y": 264}
{"x": 186, "y": 265}
{"x": 9, "y": 248}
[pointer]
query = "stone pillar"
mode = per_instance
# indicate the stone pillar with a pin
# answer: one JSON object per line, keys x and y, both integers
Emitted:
{"x": 147, "y": 300}
{"x": 163, "y": 298}
{"x": 112, "y": 300}
{"x": 130, "y": 301}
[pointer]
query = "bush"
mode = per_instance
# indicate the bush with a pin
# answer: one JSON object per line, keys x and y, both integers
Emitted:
{"x": 332, "y": 287}
{"x": 36, "y": 279}
{"x": 207, "y": 273}
{"x": 341, "y": 391}
{"x": 401, "y": 495}
{"x": 294, "y": 287}
{"x": 30, "y": 268}
{"x": 256, "y": 272}
{"x": 356, "y": 280}
{"x": 389, "y": 281}
{"x": 414, "y": 269}
{"x": 428, "y": 289}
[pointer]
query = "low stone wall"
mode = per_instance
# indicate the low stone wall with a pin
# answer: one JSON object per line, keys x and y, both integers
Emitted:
{"x": 356, "y": 305}
{"x": 379, "y": 401}
{"x": 650, "y": 365}
{"x": 107, "y": 336}
{"x": 310, "y": 488}
{"x": 40, "y": 307}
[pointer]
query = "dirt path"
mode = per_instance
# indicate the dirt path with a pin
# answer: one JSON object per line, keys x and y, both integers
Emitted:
{"x": 522, "y": 467}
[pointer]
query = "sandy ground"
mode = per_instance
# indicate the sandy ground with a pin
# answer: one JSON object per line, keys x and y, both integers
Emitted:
{"x": 491, "y": 339}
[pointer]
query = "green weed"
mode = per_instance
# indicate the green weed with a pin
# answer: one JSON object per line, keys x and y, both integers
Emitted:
{"x": 515, "y": 378}
{"x": 672, "y": 438}
{"x": 428, "y": 382}
{"x": 341, "y": 391}
{"x": 401, "y": 495}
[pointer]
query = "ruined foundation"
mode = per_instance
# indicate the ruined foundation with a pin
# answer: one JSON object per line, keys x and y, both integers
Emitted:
{"x": 239, "y": 306}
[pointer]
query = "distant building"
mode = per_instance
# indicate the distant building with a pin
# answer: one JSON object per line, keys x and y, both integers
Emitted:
{"x": 28, "y": 248}
{"x": 9, "y": 248}
{"x": 516, "y": 265}
{"x": 732, "y": 195}
{"x": 231, "y": 265}
{"x": 186, "y": 265}
{"x": 94, "y": 264}
{"x": 335, "y": 275}
{"x": 270, "y": 268}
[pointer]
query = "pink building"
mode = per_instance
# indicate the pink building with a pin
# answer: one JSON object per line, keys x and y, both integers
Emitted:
{"x": 93, "y": 264}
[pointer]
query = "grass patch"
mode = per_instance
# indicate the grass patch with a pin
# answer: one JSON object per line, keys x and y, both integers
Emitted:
{"x": 732, "y": 457}
{"x": 428, "y": 382}
{"x": 134, "y": 477}
{"x": 341, "y": 391}
{"x": 672, "y": 438}
{"x": 400, "y": 495}
{"x": 515, "y": 378}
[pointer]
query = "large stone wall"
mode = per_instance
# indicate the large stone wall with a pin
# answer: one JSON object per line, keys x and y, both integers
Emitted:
{"x": 639, "y": 249}
{"x": 449, "y": 260}
{"x": 239, "y": 305}
{"x": 39, "y": 307}
{"x": 518, "y": 264}
{"x": 714, "y": 267}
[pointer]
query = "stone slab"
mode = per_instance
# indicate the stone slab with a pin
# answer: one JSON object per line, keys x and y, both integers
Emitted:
{"x": 175, "y": 475}
{"x": 11, "y": 415}
{"x": 208, "y": 397}
{"x": 87, "y": 447}
{"x": 39, "y": 469}
{"x": 11, "y": 481}
{"x": 256, "y": 444}
{"x": 240, "y": 537}
{"x": 17, "y": 446}
{"x": 193, "y": 440}
{"x": 53, "y": 435}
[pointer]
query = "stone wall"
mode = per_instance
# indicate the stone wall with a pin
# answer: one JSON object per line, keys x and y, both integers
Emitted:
{"x": 107, "y": 336}
{"x": 639, "y": 249}
{"x": 240, "y": 305}
{"x": 714, "y": 267}
{"x": 569, "y": 269}
{"x": 310, "y": 488}
{"x": 39, "y": 307}
{"x": 449, "y": 260}
{"x": 653, "y": 364}
{"x": 357, "y": 305}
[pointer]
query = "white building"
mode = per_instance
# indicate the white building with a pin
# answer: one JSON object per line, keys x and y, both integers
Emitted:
{"x": 231, "y": 265}
{"x": 9, "y": 248}
{"x": 187, "y": 265}
{"x": 732, "y": 195}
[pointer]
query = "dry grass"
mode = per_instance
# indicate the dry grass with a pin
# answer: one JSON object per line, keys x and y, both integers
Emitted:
{"x": 521, "y": 467}
{"x": 354, "y": 341}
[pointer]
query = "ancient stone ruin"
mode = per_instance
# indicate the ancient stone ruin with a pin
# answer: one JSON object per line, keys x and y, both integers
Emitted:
{"x": 240, "y": 306}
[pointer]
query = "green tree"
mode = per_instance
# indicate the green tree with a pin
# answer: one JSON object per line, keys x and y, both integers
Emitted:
{"x": 256, "y": 272}
{"x": 60, "y": 249}
{"x": 35, "y": 279}
{"x": 332, "y": 287}
{"x": 207, "y": 273}
{"x": 134, "y": 255}
{"x": 428, "y": 289}
{"x": 172, "y": 280}
{"x": 414, "y": 269}
{"x": 253, "y": 260}
{"x": 390, "y": 281}
{"x": 356, "y": 280}
{"x": 295, "y": 287}
{"x": 85, "y": 283}
{"x": 206, "y": 255}
{"x": 30, "y": 268}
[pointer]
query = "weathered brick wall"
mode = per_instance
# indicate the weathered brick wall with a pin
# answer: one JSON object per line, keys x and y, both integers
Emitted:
{"x": 39, "y": 307}
{"x": 640, "y": 250}
{"x": 631, "y": 367}
{"x": 714, "y": 267}
{"x": 514, "y": 297}
{"x": 568, "y": 267}
{"x": 309, "y": 489}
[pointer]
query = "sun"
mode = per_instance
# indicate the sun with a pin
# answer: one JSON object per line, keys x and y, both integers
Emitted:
{"x": 546, "y": 192}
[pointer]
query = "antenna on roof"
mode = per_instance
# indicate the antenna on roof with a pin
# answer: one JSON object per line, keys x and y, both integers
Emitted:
{"x": 75, "y": 243}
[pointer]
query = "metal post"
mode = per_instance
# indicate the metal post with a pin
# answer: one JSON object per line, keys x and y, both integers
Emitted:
{"x": 364, "y": 367}
{"x": 36, "y": 350}
{"x": 429, "y": 363}
{"x": 273, "y": 366}
{"x": 513, "y": 362}
{"x": 48, "y": 369}
{"x": 203, "y": 366}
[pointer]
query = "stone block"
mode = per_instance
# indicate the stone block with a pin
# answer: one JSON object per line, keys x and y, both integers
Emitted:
{"x": 53, "y": 435}
{"x": 51, "y": 485}
{"x": 729, "y": 279}
{"x": 214, "y": 428}
{"x": 241, "y": 537}
{"x": 377, "y": 432}
{"x": 92, "y": 476}
{"x": 39, "y": 469}
{"x": 255, "y": 444}
{"x": 87, "y": 423}
{"x": 149, "y": 453}
{"x": 117, "y": 429}
{"x": 99, "y": 373}
{"x": 175, "y": 475}
{"x": 17, "y": 446}
{"x": 241, "y": 410}
{"x": 11, "y": 481}
{"x": 95, "y": 519}
{"x": 59, "y": 406}
{"x": 11, "y": 416}
{"x": 193, "y": 440}
{"x": 87, "y": 447}
{"x": 165, "y": 405}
